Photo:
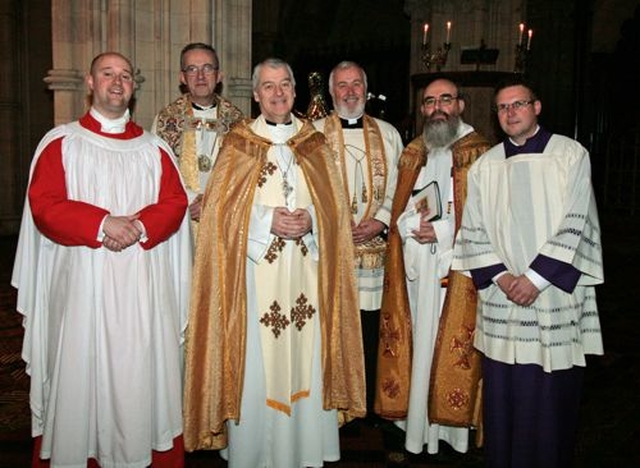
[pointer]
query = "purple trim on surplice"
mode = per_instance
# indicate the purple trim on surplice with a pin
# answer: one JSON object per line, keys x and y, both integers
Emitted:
{"x": 482, "y": 276}
{"x": 536, "y": 144}
{"x": 561, "y": 274}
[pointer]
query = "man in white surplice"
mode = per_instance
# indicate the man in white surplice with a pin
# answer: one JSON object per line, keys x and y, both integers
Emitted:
{"x": 530, "y": 238}
{"x": 102, "y": 270}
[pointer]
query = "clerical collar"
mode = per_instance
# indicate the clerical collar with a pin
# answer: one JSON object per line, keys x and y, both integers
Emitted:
{"x": 203, "y": 108}
{"x": 274, "y": 124}
{"x": 534, "y": 144}
{"x": 351, "y": 123}
{"x": 108, "y": 125}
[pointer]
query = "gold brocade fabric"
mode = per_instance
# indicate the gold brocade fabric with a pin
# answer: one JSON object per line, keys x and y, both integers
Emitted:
{"x": 455, "y": 376}
{"x": 371, "y": 254}
{"x": 215, "y": 346}
{"x": 173, "y": 125}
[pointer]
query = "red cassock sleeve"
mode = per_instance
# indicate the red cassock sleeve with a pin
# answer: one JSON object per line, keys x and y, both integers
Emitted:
{"x": 163, "y": 218}
{"x": 64, "y": 221}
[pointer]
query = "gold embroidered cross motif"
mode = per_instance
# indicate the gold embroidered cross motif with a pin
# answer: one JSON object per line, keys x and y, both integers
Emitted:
{"x": 302, "y": 312}
{"x": 462, "y": 345}
{"x": 457, "y": 399}
{"x": 267, "y": 169}
{"x": 275, "y": 320}
{"x": 303, "y": 248}
{"x": 276, "y": 246}
{"x": 389, "y": 337}
{"x": 391, "y": 387}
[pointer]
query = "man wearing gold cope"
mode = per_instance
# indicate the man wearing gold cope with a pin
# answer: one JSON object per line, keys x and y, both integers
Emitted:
{"x": 274, "y": 353}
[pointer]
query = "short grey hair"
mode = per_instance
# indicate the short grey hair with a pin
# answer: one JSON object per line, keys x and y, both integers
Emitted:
{"x": 274, "y": 63}
{"x": 345, "y": 64}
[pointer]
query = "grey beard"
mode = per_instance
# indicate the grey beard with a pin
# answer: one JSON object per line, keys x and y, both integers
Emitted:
{"x": 345, "y": 114}
{"x": 440, "y": 133}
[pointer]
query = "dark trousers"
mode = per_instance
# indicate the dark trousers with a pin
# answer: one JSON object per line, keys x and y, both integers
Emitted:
{"x": 370, "y": 320}
{"x": 530, "y": 416}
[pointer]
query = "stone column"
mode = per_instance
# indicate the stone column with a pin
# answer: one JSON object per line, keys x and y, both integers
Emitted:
{"x": 151, "y": 33}
{"x": 66, "y": 79}
{"x": 232, "y": 36}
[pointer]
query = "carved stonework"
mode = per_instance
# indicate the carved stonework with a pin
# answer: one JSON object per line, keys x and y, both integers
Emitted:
{"x": 65, "y": 80}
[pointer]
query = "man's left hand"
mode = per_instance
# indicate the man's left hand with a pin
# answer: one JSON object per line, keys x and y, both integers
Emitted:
{"x": 367, "y": 230}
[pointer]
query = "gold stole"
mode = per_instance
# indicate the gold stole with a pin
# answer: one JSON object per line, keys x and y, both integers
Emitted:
{"x": 455, "y": 376}
{"x": 369, "y": 255}
{"x": 188, "y": 160}
{"x": 393, "y": 377}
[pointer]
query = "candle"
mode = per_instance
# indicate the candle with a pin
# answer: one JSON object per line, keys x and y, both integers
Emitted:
{"x": 424, "y": 33}
{"x": 448, "y": 32}
{"x": 521, "y": 33}
{"x": 530, "y": 33}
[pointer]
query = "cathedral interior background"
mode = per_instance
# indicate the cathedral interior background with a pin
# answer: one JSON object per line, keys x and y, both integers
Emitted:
{"x": 584, "y": 57}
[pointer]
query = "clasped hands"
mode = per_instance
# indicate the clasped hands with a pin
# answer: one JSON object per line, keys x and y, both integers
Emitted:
{"x": 518, "y": 289}
{"x": 195, "y": 208}
{"x": 290, "y": 224}
{"x": 121, "y": 232}
{"x": 366, "y": 230}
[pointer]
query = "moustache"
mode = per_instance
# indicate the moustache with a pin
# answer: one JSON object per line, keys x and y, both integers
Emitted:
{"x": 438, "y": 113}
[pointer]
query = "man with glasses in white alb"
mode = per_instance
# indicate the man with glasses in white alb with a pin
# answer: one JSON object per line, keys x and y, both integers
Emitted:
{"x": 195, "y": 123}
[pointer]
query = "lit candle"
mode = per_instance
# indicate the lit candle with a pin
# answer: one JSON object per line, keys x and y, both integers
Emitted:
{"x": 521, "y": 33}
{"x": 530, "y": 33}
{"x": 448, "y": 32}
{"x": 424, "y": 33}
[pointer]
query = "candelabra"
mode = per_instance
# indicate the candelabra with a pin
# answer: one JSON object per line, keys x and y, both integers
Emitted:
{"x": 522, "y": 53}
{"x": 437, "y": 58}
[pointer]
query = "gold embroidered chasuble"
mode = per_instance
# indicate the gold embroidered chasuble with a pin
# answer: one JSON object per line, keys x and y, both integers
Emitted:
{"x": 176, "y": 125}
{"x": 369, "y": 255}
{"x": 215, "y": 346}
{"x": 455, "y": 375}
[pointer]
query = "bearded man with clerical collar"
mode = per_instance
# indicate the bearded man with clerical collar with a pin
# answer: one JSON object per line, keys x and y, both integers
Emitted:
{"x": 366, "y": 150}
{"x": 424, "y": 383}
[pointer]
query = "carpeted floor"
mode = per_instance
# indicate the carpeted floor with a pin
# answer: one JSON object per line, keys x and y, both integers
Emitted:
{"x": 610, "y": 416}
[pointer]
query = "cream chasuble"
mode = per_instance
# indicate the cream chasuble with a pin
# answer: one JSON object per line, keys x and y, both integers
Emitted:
{"x": 287, "y": 277}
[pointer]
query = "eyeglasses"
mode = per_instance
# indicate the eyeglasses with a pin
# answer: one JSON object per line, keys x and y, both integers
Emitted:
{"x": 206, "y": 69}
{"x": 516, "y": 106}
{"x": 445, "y": 100}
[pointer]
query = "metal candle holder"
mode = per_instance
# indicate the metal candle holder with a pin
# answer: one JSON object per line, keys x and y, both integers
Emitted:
{"x": 437, "y": 58}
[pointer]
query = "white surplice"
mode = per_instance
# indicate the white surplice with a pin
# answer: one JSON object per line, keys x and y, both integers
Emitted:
{"x": 103, "y": 329}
